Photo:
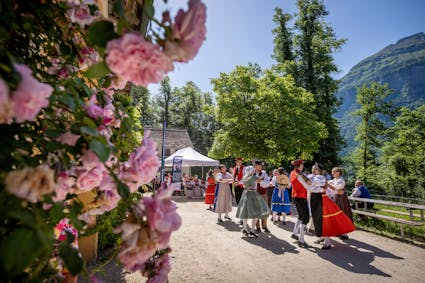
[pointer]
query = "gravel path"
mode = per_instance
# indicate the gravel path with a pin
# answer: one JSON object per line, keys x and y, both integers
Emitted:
{"x": 205, "y": 251}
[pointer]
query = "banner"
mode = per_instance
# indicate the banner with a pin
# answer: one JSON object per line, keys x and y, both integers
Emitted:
{"x": 177, "y": 169}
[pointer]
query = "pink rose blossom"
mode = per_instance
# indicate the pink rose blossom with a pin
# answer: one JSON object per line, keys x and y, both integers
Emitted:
{"x": 64, "y": 186}
{"x": 188, "y": 33}
{"x": 161, "y": 214}
{"x": 80, "y": 15}
{"x": 94, "y": 110}
{"x": 30, "y": 96}
{"x": 90, "y": 173}
{"x": 88, "y": 57}
{"x": 68, "y": 138}
{"x": 6, "y": 105}
{"x": 137, "y": 60}
{"x": 142, "y": 165}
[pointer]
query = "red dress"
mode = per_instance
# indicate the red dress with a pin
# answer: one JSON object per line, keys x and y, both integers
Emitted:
{"x": 334, "y": 221}
{"x": 210, "y": 191}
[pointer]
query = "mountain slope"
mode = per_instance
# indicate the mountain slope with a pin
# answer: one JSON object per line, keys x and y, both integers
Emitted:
{"x": 401, "y": 65}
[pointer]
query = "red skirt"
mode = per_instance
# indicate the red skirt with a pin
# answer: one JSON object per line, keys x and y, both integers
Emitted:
{"x": 334, "y": 221}
{"x": 209, "y": 194}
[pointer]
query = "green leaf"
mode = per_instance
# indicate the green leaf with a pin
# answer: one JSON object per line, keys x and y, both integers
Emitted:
{"x": 101, "y": 32}
{"x": 18, "y": 250}
{"x": 97, "y": 71}
{"x": 102, "y": 151}
{"x": 119, "y": 8}
{"x": 68, "y": 100}
{"x": 89, "y": 131}
{"x": 24, "y": 217}
{"x": 123, "y": 190}
{"x": 71, "y": 256}
{"x": 90, "y": 123}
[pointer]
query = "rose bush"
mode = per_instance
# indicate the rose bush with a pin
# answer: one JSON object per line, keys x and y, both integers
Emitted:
{"x": 68, "y": 129}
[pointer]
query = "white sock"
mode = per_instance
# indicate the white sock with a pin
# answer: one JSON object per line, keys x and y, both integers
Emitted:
{"x": 302, "y": 231}
{"x": 297, "y": 225}
{"x": 219, "y": 216}
{"x": 254, "y": 222}
{"x": 327, "y": 241}
{"x": 226, "y": 214}
{"x": 284, "y": 216}
{"x": 274, "y": 216}
{"x": 245, "y": 224}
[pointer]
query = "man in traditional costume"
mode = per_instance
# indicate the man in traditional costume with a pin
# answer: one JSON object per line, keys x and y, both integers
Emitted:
{"x": 238, "y": 172}
{"x": 299, "y": 183}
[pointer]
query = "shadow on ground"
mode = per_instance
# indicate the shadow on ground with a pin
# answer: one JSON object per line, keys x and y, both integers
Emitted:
{"x": 269, "y": 242}
{"x": 356, "y": 257}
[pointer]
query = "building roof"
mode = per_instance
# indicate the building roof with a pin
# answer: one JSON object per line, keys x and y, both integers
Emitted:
{"x": 175, "y": 139}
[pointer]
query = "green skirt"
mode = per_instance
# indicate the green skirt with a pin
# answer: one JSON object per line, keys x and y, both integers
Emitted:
{"x": 252, "y": 205}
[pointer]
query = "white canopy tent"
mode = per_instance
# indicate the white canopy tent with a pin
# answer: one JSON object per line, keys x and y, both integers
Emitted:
{"x": 191, "y": 158}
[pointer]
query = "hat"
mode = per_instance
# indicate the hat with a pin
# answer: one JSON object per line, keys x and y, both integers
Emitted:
{"x": 258, "y": 162}
{"x": 238, "y": 158}
{"x": 297, "y": 162}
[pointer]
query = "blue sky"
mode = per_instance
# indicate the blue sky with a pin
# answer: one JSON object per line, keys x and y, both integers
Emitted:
{"x": 240, "y": 31}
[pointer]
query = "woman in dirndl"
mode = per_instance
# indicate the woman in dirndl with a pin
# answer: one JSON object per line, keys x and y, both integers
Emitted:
{"x": 223, "y": 193}
{"x": 328, "y": 219}
{"x": 251, "y": 205}
{"x": 337, "y": 184}
{"x": 210, "y": 191}
{"x": 280, "y": 198}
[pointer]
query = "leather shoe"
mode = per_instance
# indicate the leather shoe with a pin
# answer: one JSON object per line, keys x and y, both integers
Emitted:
{"x": 326, "y": 247}
{"x": 228, "y": 218}
{"x": 295, "y": 237}
{"x": 245, "y": 232}
{"x": 344, "y": 237}
{"x": 266, "y": 230}
{"x": 220, "y": 220}
{"x": 303, "y": 245}
{"x": 253, "y": 234}
{"x": 258, "y": 230}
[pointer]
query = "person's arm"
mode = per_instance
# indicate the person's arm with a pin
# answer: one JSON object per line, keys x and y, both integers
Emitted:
{"x": 337, "y": 184}
{"x": 356, "y": 193}
{"x": 304, "y": 183}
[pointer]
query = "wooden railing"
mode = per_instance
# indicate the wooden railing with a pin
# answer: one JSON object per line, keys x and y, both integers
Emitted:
{"x": 409, "y": 206}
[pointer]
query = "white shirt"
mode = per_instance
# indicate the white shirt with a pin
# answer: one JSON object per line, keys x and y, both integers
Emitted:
{"x": 317, "y": 183}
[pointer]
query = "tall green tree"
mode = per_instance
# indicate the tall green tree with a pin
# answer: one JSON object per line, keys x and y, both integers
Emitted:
{"x": 312, "y": 66}
{"x": 371, "y": 132}
{"x": 264, "y": 115}
{"x": 188, "y": 108}
{"x": 403, "y": 155}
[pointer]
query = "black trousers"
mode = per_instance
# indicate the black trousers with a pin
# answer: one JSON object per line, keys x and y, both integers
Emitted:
{"x": 317, "y": 212}
{"x": 238, "y": 193}
{"x": 302, "y": 208}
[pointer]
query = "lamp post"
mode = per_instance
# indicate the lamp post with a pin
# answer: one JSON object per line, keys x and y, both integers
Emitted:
{"x": 166, "y": 92}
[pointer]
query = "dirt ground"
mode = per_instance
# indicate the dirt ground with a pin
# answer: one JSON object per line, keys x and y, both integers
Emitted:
{"x": 207, "y": 251}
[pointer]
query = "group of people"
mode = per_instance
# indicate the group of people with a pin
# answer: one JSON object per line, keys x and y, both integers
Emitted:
{"x": 257, "y": 196}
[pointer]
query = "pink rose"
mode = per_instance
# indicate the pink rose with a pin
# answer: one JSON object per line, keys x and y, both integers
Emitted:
{"x": 68, "y": 138}
{"x": 30, "y": 96}
{"x": 90, "y": 173}
{"x": 142, "y": 165}
{"x": 80, "y": 15}
{"x": 94, "y": 110}
{"x": 6, "y": 105}
{"x": 188, "y": 33}
{"x": 64, "y": 186}
{"x": 137, "y": 60}
{"x": 88, "y": 57}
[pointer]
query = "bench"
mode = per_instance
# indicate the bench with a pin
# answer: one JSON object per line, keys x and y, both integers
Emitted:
{"x": 409, "y": 206}
{"x": 400, "y": 222}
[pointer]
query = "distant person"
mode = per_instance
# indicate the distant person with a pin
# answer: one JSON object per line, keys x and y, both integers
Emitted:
{"x": 210, "y": 191}
{"x": 224, "y": 195}
{"x": 360, "y": 191}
